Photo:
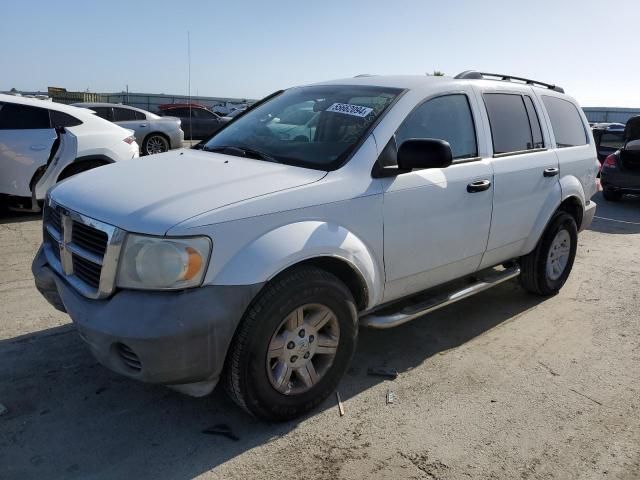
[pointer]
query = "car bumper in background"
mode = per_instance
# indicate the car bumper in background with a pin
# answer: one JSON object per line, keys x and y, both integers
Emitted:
{"x": 624, "y": 181}
{"x": 179, "y": 339}
{"x": 176, "y": 139}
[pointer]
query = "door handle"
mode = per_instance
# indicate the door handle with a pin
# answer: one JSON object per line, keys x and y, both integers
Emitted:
{"x": 479, "y": 186}
{"x": 37, "y": 148}
{"x": 143, "y": 124}
{"x": 551, "y": 172}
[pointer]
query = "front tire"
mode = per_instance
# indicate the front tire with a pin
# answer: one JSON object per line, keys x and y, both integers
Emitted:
{"x": 293, "y": 345}
{"x": 546, "y": 269}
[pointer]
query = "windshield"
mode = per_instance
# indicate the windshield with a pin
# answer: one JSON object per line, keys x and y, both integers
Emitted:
{"x": 315, "y": 127}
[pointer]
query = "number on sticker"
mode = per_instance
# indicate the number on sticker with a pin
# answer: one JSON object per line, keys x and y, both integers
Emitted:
{"x": 348, "y": 109}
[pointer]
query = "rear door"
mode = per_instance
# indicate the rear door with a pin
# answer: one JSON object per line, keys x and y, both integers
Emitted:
{"x": 526, "y": 172}
{"x": 436, "y": 223}
{"x": 26, "y": 138}
{"x": 133, "y": 120}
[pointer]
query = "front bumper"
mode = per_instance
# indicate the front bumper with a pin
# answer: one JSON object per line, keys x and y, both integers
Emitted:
{"x": 179, "y": 339}
{"x": 589, "y": 212}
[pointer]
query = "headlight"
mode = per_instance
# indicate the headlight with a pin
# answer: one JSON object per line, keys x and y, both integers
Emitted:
{"x": 163, "y": 263}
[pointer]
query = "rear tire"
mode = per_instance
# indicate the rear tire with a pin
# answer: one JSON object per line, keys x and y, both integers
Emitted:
{"x": 611, "y": 195}
{"x": 155, "y": 143}
{"x": 267, "y": 370}
{"x": 546, "y": 269}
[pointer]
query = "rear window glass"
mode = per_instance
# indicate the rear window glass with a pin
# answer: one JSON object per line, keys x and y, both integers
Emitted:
{"x": 61, "y": 119}
{"x": 103, "y": 112}
{"x": 612, "y": 140}
{"x": 510, "y": 124}
{"x": 567, "y": 125}
{"x": 23, "y": 117}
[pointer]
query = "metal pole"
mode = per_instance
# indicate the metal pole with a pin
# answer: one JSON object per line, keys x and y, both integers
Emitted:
{"x": 189, "y": 88}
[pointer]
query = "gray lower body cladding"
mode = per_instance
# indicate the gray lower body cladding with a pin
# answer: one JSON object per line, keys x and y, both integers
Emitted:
{"x": 177, "y": 338}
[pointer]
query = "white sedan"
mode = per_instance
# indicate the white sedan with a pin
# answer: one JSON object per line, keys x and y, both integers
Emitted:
{"x": 28, "y": 145}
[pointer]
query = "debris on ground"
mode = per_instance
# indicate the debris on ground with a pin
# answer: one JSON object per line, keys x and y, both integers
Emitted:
{"x": 223, "y": 430}
{"x": 391, "y": 397}
{"x": 3, "y": 409}
{"x": 340, "y": 407}
{"x": 390, "y": 373}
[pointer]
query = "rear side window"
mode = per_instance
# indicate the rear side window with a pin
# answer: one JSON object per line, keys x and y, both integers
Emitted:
{"x": 123, "y": 115}
{"x": 565, "y": 121}
{"x": 514, "y": 127}
{"x": 445, "y": 118}
{"x": 103, "y": 112}
{"x": 23, "y": 117}
{"x": 61, "y": 119}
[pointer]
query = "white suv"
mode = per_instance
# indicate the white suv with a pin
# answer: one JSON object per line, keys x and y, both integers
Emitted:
{"x": 28, "y": 145}
{"x": 254, "y": 258}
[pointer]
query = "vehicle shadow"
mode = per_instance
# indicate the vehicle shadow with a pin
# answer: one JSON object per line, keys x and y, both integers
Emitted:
{"x": 69, "y": 417}
{"x": 621, "y": 217}
{"x": 8, "y": 216}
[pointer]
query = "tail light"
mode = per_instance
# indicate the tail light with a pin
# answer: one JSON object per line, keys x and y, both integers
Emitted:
{"x": 129, "y": 139}
{"x": 610, "y": 161}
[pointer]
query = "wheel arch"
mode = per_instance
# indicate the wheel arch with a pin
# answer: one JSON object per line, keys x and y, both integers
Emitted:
{"x": 326, "y": 245}
{"x": 99, "y": 159}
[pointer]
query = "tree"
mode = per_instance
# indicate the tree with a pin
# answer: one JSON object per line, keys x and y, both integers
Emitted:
{"x": 436, "y": 73}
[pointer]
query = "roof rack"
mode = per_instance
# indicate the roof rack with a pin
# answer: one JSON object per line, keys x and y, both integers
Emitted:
{"x": 475, "y": 75}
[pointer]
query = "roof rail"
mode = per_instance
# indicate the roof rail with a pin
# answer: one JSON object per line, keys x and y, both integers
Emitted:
{"x": 360, "y": 75}
{"x": 475, "y": 75}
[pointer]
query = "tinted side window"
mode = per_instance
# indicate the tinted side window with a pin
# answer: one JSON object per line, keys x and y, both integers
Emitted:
{"x": 61, "y": 119}
{"x": 565, "y": 121}
{"x": 123, "y": 114}
{"x": 446, "y": 118}
{"x": 176, "y": 112}
{"x": 103, "y": 112}
{"x": 509, "y": 120}
{"x": 534, "y": 122}
{"x": 23, "y": 117}
{"x": 139, "y": 115}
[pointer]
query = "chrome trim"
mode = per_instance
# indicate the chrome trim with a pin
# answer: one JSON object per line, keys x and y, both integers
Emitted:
{"x": 380, "y": 320}
{"x": 68, "y": 249}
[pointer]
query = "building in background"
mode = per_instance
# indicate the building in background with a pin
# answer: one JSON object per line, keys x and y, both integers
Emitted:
{"x": 610, "y": 114}
{"x": 146, "y": 101}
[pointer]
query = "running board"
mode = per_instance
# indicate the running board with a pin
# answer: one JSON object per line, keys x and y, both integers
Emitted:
{"x": 379, "y": 320}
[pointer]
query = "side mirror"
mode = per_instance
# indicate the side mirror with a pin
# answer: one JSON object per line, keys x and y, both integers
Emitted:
{"x": 424, "y": 153}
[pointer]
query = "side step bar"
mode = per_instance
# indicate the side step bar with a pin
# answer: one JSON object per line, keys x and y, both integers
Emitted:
{"x": 380, "y": 320}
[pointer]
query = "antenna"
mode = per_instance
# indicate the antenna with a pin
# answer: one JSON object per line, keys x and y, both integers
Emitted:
{"x": 189, "y": 86}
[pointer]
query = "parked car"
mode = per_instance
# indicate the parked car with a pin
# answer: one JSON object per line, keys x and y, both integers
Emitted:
{"x": 154, "y": 134}
{"x": 28, "y": 145}
{"x": 257, "y": 270}
{"x": 197, "y": 122}
{"x": 608, "y": 138}
{"x": 621, "y": 170}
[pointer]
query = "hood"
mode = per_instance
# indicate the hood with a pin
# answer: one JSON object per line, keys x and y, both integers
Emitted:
{"x": 153, "y": 193}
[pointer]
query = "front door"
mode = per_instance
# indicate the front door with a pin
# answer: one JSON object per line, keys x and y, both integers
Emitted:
{"x": 436, "y": 221}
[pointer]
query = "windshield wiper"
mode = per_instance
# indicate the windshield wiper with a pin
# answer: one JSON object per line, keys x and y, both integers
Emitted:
{"x": 242, "y": 152}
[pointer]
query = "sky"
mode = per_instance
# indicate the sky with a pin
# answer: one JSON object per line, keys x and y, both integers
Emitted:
{"x": 248, "y": 49}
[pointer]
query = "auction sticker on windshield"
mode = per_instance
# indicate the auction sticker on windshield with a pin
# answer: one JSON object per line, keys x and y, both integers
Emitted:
{"x": 348, "y": 109}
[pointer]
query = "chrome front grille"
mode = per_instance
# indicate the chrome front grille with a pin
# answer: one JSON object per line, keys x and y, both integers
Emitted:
{"x": 83, "y": 250}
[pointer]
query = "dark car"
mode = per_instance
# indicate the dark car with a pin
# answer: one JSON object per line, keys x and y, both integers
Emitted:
{"x": 197, "y": 122}
{"x": 609, "y": 137}
{"x": 621, "y": 170}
